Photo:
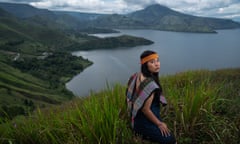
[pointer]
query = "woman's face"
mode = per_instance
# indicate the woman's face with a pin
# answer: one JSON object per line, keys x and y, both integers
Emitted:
{"x": 154, "y": 65}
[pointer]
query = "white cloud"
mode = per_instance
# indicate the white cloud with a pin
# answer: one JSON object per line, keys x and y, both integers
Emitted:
{"x": 98, "y": 6}
{"x": 234, "y": 8}
{"x": 206, "y": 8}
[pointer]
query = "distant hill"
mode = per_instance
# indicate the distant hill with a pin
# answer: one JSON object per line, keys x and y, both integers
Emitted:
{"x": 152, "y": 17}
{"x": 24, "y": 10}
{"x": 41, "y": 17}
{"x": 117, "y": 21}
{"x": 163, "y": 18}
{"x": 79, "y": 15}
{"x": 47, "y": 18}
{"x": 3, "y": 13}
{"x": 20, "y": 34}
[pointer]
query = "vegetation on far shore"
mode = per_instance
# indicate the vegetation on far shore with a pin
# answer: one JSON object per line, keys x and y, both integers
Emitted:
{"x": 203, "y": 107}
{"x": 124, "y": 41}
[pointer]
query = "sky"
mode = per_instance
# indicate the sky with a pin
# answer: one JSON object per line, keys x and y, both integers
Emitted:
{"x": 229, "y": 9}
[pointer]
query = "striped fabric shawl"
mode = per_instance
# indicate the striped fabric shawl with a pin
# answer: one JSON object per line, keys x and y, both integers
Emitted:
{"x": 136, "y": 99}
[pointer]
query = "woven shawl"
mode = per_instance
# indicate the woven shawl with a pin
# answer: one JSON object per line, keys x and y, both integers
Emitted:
{"x": 135, "y": 100}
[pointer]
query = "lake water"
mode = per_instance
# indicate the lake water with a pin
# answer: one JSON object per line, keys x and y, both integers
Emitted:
{"x": 178, "y": 52}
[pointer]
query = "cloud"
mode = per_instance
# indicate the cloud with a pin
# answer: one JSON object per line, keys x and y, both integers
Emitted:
{"x": 206, "y": 8}
{"x": 140, "y": 2}
{"x": 98, "y": 6}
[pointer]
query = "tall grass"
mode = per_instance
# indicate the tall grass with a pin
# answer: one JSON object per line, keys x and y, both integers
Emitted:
{"x": 99, "y": 118}
{"x": 194, "y": 113}
{"x": 194, "y": 97}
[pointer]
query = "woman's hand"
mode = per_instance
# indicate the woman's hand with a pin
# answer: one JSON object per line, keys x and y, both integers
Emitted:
{"x": 149, "y": 114}
{"x": 164, "y": 129}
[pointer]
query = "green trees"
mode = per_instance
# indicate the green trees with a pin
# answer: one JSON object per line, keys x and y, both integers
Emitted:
{"x": 53, "y": 67}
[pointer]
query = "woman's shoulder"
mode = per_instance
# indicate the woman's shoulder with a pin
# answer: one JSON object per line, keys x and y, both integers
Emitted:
{"x": 132, "y": 77}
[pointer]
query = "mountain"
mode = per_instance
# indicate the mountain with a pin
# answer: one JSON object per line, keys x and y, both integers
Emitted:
{"x": 3, "y": 13}
{"x": 66, "y": 21}
{"x": 163, "y": 18}
{"x": 79, "y": 15}
{"x": 152, "y": 17}
{"x": 41, "y": 17}
{"x": 23, "y": 10}
{"x": 152, "y": 13}
{"x": 116, "y": 21}
{"x": 17, "y": 34}
{"x": 47, "y": 18}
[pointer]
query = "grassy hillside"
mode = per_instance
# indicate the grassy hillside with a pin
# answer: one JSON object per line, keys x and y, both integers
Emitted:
{"x": 20, "y": 93}
{"x": 30, "y": 83}
{"x": 18, "y": 34}
{"x": 203, "y": 107}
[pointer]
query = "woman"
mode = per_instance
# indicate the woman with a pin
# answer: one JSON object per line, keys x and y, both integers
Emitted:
{"x": 144, "y": 98}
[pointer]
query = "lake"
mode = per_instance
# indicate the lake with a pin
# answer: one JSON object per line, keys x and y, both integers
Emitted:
{"x": 178, "y": 52}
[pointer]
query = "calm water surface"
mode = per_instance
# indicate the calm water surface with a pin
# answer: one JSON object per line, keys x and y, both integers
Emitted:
{"x": 178, "y": 52}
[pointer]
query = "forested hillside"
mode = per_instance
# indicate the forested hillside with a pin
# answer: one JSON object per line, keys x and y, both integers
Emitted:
{"x": 36, "y": 60}
{"x": 31, "y": 83}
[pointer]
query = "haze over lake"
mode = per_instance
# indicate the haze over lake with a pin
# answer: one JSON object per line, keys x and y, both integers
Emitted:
{"x": 178, "y": 52}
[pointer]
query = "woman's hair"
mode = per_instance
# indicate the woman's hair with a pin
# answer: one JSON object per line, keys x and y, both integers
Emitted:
{"x": 144, "y": 68}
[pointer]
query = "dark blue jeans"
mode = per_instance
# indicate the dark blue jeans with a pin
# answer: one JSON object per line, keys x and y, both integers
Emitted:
{"x": 154, "y": 135}
{"x": 149, "y": 131}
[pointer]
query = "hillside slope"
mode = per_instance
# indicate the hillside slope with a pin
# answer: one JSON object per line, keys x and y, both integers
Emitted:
{"x": 29, "y": 83}
{"x": 21, "y": 93}
{"x": 203, "y": 107}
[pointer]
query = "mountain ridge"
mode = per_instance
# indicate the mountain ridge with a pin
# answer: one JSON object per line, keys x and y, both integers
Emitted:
{"x": 163, "y": 18}
{"x": 154, "y": 16}
{"x": 23, "y": 10}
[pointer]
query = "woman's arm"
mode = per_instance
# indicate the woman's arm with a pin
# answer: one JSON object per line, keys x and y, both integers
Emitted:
{"x": 149, "y": 114}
